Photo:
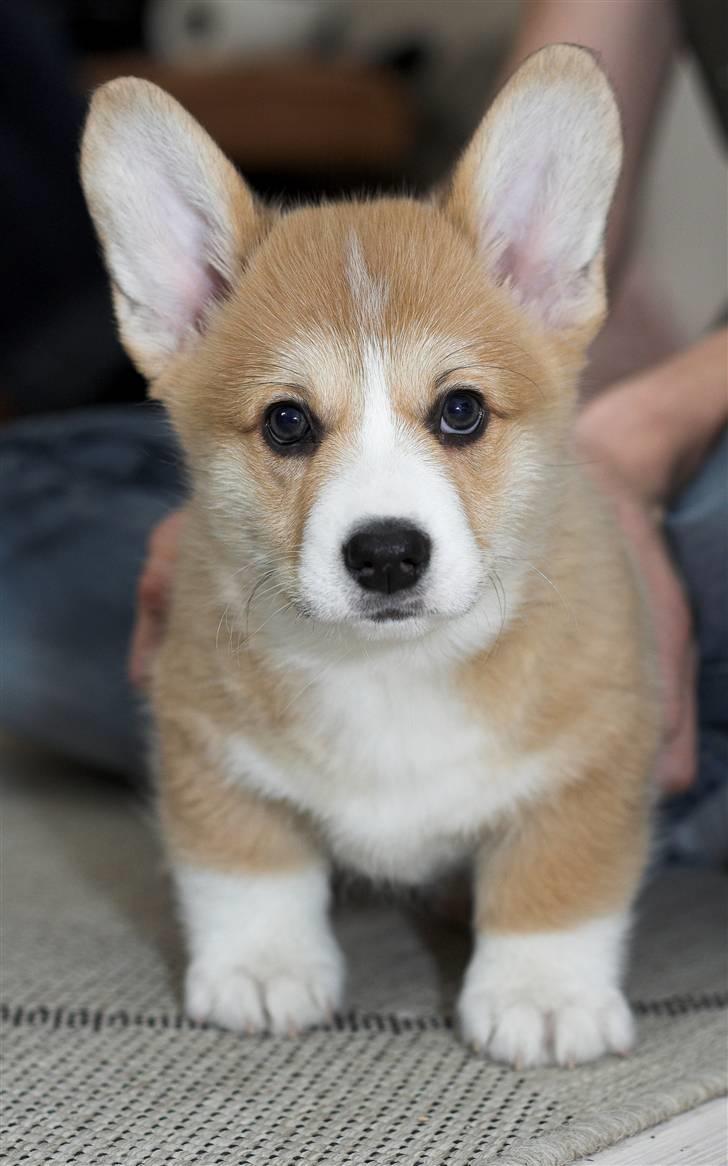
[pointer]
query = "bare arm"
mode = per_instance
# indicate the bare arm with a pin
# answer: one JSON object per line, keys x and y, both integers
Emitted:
{"x": 637, "y": 42}
{"x": 655, "y": 429}
{"x": 645, "y": 438}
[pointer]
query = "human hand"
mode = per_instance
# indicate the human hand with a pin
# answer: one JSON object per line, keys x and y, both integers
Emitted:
{"x": 672, "y": 621}
{"x": 153, "y": 592}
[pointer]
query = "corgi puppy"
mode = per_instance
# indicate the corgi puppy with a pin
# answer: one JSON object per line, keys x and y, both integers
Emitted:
{"x": 404, "y": 635}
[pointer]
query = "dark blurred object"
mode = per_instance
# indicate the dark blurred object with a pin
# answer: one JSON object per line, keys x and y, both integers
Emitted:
{"x": 57, "y": 341}
{"x": 104, "y": 26}
{"x": 407, "y": 59}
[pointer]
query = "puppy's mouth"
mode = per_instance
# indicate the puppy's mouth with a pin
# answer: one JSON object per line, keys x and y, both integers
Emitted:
{"x": 380, "y": 615}
{"x": 391, "y": 622}
{"x": 393, "y": 614}
{"x": 387, "y": 611}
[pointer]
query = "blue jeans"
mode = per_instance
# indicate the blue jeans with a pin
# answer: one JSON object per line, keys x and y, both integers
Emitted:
{"x": 79, "y": 494}
{"x": 697, "y": 530}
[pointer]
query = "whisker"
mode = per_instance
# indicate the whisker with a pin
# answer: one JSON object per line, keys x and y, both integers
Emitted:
{"x": 313, "y": 680}
{"x": 500, "y": 593}
{"x": 256, "y": 592}
{"x": 266, "y": 621}
{"x": 217, "y": 633}
{"x": 263, "y": 579}
{"x": 516, "y": 373}
{"x": 552, "y": 585}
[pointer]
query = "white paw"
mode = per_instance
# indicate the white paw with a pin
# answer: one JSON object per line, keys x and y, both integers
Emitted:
{"x": 283, "y": 1000}
{"x": 547, "y": 999}
{"x": 263, "y": 957}
{"x": 524, "y": 1033}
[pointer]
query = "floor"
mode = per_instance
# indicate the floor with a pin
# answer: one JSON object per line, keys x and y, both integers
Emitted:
{"x": 697, "y": 1138}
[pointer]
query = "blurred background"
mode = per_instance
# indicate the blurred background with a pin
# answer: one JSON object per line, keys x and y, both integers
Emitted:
{"x": 309, "y": 97}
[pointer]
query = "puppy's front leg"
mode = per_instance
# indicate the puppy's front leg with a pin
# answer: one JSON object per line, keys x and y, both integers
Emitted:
{"x": 253, "y": 895}
{"x": 552, "y": 916}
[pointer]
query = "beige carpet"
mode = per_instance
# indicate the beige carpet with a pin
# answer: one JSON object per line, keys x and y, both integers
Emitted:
{"x": 100, "y": 1069}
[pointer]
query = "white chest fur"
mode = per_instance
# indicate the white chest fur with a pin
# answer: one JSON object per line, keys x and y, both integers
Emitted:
{"x": 399, "y": 771}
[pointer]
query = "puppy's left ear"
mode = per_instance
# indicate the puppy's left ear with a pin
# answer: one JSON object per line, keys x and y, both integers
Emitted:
{"x": 534, "y": 186}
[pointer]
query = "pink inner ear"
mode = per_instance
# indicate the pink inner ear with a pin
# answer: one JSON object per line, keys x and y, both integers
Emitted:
{"x": 192, "y": 283}
{"x": 212, "y": 288}
{"x": 520, "y": 267}
{"x": 536, "y": 281}
{"x": 187, "y": 293}
{"x": 526, "y": 266}
{"x": 519, "y": 230}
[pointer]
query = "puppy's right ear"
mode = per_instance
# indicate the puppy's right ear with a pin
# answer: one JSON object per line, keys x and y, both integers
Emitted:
{"x": 174, "y": 217}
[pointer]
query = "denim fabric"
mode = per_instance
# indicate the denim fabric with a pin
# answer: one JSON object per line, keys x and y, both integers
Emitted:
{"x": 79, "y": 494}
{"x": 697, "y": 529}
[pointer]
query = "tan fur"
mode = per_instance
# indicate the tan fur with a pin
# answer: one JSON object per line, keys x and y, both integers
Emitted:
{"x": 209, "y": 823}
{"x": 578, "y": 857}
{"x": 297, "y": 326}
{"x": 581, "y": 853}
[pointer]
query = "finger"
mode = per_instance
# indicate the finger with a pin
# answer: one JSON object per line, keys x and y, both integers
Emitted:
{"x": 154, "y": 584}
{"x": 143, "y": 639}
{"x": 678, "y": 762}
{"x": 677, "y": 765}
{"x": 156, "y": 577}
{"x": 165, "y": 537}
{"x": 153, "y": 595}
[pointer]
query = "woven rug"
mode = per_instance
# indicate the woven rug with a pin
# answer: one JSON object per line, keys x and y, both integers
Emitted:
{"x": 101, "y": 1069}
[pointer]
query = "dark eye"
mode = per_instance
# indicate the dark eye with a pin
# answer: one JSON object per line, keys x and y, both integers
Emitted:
{"x": 462, "y": 414}
{"x": 286, "y": 426}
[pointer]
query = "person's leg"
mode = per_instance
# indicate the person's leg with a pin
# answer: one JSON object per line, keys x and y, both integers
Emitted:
{"x": 697, "y": 528}
{"x": 79, "y": 494}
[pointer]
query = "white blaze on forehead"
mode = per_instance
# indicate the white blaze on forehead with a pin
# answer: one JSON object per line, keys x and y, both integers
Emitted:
{"x": 378, "y": 430}
{"x": 368, "y": 292}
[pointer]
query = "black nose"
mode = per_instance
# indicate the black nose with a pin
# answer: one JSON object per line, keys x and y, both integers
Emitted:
{"x": 387, "y": 556}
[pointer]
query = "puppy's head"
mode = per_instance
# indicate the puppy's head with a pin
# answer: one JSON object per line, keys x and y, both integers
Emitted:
{"x": 373, "y": 396}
